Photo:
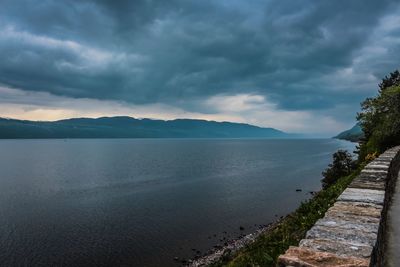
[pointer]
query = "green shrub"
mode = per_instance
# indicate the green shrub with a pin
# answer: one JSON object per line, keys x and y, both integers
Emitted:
{"x": 342, "y": 165}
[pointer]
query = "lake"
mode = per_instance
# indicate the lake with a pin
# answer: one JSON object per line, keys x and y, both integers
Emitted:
{"x": 142, "y": 202}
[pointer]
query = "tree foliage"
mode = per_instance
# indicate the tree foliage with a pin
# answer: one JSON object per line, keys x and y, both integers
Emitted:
{"x": 392, "y": 80}
{"x": 380, "y": 118}
{"x": 342, "y": 165}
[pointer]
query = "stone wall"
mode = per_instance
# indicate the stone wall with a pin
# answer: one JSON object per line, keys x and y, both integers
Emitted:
{"x": 352, "y": 231}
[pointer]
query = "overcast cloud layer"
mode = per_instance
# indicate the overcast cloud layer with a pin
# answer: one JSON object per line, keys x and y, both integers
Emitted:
{"x": 299, "y": 66}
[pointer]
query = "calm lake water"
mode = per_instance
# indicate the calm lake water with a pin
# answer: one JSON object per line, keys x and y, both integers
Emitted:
{"x": 142, "y": 202}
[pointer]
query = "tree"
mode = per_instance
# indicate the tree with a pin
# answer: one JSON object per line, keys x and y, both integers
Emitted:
{"x": 342, "y": 165}
{"x": 392, "y": 80}
{"x": 380, "y": 118}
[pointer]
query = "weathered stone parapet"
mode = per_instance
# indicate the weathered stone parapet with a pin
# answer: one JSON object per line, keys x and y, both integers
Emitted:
{"x": 352, "y": 231}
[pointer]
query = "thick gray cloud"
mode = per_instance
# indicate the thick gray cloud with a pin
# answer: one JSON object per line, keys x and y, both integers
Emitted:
{"x": 301, "y": 55}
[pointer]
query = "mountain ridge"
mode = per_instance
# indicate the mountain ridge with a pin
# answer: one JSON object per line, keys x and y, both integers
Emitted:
{"x": 129, "y": 127}
{"x": 353, "y": 134}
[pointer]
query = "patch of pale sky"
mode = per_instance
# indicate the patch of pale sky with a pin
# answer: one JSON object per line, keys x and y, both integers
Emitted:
{"x": 244, "y": 108}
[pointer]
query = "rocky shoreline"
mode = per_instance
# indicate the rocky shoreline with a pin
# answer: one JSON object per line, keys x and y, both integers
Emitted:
{"x": 231, "y": 246}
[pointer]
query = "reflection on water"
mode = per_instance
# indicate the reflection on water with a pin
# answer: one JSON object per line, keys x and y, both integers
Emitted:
{"x": 143, "y": 202}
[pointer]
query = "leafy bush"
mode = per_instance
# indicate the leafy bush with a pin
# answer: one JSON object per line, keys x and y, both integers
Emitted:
{"x": 342, "y": 165}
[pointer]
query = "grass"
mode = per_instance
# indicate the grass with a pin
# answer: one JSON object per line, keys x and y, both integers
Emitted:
{"x": 266, "y": 249}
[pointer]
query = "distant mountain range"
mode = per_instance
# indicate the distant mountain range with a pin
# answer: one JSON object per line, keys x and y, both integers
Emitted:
{"x": 354, "y": 134}
{"x": 127, "y": 127}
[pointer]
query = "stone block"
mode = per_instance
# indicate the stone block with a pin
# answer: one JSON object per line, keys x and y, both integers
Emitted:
{"x": 342, "y": 249}
{"x": 368, "y": 182}
{"x": 343, "y": 223}
{"x": 362, "y": 195}
{"x": 304, "y": 257}
{"x": 374, "y": 171}
{"x": 342, "y": 235}
{"x": 371, "y": 211}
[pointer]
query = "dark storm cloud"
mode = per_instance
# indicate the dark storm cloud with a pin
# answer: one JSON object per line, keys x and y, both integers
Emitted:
{"x": 178, "y": 51}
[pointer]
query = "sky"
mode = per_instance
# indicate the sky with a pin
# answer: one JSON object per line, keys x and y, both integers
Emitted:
{"x": 300, "y": 66}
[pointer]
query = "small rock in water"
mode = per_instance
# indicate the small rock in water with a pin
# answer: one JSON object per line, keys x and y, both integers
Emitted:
{"x": 241, "y": 228}
{"x": 298, "y": 190}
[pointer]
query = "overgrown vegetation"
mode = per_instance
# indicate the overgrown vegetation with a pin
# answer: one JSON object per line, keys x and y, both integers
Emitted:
{"x": 266, "y": 249}
{"x": 380, "y": 118}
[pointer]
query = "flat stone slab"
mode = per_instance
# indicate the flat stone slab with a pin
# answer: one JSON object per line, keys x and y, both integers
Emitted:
{"x": 359, "y": 209}
{"x": 386, "y": 157}
{"x": 362, "y": 195}
{"x": 368, "y": 182}
{"x": 376, "y": 162}
{"x": 351, "y": 218}
{"x": 342, "y": 249}
{"x": 383, "y": 161}
{"x": 337, "y": 222}
{"x": 390, "y": 152}
{"x": 378, "y": 165}
{"x": 342, "y": 235}
{"x": 304, "y": 257}
{"x": 386, "y": 160}
{"x": 377, "y": 168}
{"x": 372, "y": 176}
{"x": 374, "y": 171}
{"x": 368, "y": 185}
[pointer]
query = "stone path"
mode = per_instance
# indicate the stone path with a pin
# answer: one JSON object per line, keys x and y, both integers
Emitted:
{"x": 393, "y": 233}
{"x": 350, "y": 233}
